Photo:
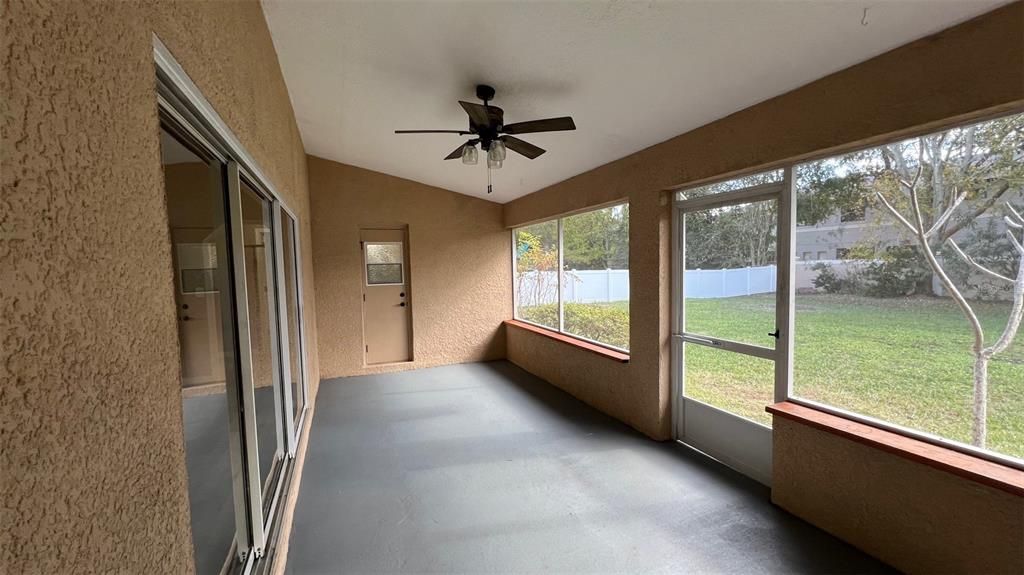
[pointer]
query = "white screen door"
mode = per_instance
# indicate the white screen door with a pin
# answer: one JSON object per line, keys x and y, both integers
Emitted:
{"x": 731, "y": 318}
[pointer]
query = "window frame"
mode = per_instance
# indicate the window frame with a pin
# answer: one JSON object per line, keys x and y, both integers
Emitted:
{"x": 561, "y": 264}
{"x": 790, "y": 336}
{"x": 367, "y": 264}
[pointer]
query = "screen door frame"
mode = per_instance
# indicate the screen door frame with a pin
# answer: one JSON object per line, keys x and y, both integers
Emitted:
{"x": 736, "y": 441}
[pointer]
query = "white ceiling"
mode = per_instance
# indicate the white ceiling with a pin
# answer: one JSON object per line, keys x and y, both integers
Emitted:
{"x": 631, "y": 74}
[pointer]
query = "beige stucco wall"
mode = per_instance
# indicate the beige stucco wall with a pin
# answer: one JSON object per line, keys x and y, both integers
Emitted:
{"x": 914, "y": 517}
{"x": 93, "y": 469}
{"x": 460, "y": 267}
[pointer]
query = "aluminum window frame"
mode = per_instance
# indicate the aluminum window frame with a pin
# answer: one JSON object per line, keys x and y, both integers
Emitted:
{"x": 180, "y": 103}
{"x": 789, "y": 191}
{"x": 561, "y": 265}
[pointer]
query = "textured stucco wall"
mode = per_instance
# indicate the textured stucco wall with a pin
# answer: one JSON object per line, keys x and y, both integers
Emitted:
{"x": 93, "y": 470}
{"x": 914, "y": 517}
{"x": 969, "y": 70}
{"x": 460, "y": 267}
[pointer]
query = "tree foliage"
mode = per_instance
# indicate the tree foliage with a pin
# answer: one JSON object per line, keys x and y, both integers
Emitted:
{"x": 597, "y": 240}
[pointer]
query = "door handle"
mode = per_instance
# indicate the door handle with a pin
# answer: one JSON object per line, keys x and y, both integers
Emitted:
{"x": 402, "y": 304}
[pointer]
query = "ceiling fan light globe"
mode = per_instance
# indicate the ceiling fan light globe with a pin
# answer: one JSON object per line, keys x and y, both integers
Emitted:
{"x": 469, "y": 155}
{"x": 493, "y": 163}
{"x": 497, "y": 150}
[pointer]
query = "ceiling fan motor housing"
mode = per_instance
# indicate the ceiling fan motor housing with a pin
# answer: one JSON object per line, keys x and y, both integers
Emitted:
{"x": 484, "y": 92}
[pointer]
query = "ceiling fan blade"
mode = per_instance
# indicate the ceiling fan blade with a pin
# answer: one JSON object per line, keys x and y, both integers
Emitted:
{"x": 457, "y": 153}
{"x": 548, "y": 125}
{"x": 478, "y": 115}
{"x": 483, "y": 116}
{"x": 459, "y": 132}
{"x": 525, "y": 148}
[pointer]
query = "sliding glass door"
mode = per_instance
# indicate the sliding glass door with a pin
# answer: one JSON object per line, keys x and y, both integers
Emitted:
{"x": 237, "y": 286}
{"x": 211, "y": 383}
{"x": 291, "y": 313}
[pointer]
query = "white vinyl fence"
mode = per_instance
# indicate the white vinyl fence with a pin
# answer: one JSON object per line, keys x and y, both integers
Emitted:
{"x": 599, "y": 286}
{"x": 698, "y": 284}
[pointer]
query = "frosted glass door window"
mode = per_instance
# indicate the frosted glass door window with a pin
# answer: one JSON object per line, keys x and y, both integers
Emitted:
{"x": 384, "y": 263}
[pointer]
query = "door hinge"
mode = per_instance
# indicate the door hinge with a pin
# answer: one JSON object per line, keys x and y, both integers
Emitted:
{"x": 364, "y": 297}
{"x": 367, "y": 349}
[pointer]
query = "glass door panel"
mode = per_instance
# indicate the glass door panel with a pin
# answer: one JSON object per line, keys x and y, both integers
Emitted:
{"x": 729, "y": 306}
{"x": 737, "y": 383}
{"x": 261, "y": 305}
{"x": 289, "y": 233}
{"x": 195, "y": 195}
{"x": 730, "y": 273}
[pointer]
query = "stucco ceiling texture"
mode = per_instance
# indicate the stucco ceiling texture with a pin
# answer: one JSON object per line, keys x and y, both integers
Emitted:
{"x": 631, "y": 74}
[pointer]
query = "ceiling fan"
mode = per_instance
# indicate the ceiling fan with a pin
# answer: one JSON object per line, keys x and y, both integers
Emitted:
{"x": 487, "y": 125}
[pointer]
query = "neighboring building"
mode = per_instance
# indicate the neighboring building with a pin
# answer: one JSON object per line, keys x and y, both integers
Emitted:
{"x": 836, "y": 237}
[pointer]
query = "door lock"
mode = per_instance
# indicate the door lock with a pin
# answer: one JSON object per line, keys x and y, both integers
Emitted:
{"x": 775, "y": 333}
{"x": 402, "y": 304}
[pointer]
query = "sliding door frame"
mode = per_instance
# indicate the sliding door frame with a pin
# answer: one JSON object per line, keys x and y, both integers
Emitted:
{"x": 182, "y": 106}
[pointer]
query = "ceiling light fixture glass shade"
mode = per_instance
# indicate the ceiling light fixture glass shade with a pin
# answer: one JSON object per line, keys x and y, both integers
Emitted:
{"x": 497, "y": 150}
{"x": 495, "y": 154}
{"x": 469, "y": 155}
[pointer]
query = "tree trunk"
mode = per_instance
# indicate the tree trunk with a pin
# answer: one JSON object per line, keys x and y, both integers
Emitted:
{"x": 979, "y": 428}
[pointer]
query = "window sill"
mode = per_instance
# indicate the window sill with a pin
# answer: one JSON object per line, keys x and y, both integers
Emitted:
{"x": 986, "y": 472}
{"x": 568, "y": 339}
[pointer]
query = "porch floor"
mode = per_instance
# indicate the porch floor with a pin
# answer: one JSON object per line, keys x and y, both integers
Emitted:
{"x": 486, "y": 468}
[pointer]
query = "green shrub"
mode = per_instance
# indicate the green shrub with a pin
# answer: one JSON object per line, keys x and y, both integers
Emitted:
{"x": 900, "y": 272}
{"x": 605, "y": 323}
{"x": 827, "y": 279}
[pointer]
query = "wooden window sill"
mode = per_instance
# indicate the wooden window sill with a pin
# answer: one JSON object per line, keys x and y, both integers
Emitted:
{"x": 976, "y": 469}
{"x": 568, "y": 339}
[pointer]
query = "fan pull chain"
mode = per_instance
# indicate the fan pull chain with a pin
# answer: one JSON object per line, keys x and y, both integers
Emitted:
{"x": 488, "y": 179}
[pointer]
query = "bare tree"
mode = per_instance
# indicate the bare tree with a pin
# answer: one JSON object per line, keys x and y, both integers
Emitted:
{"x": 926, "y": 234}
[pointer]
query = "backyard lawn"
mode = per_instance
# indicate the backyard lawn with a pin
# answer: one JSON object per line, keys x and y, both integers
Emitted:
{"x": 904, "y": 360}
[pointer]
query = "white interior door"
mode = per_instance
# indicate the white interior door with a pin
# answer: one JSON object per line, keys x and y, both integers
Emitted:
{"x": 198, "y": 301}
{"x": 731, "y": 300}
{"x": 386, "y": 299}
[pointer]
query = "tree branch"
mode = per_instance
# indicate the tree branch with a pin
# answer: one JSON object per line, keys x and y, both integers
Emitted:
{"x": 974, "y": 263}
{"x": 1016, "y": 313}
{"x": 984, "y": 207}
{"x": 972, "y": 318}
{"x": 899, "y": 217}
{"x": 1014, "y": 215}
{"x": 941, "y": 221}
{"x": 1016, "y": 244}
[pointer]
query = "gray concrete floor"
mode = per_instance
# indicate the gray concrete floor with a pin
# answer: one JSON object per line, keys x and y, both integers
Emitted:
{"x": 484, "y": 468}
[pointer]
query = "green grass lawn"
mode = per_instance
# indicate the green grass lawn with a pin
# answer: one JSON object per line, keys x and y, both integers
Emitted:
{"x": 904, "y": 360}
